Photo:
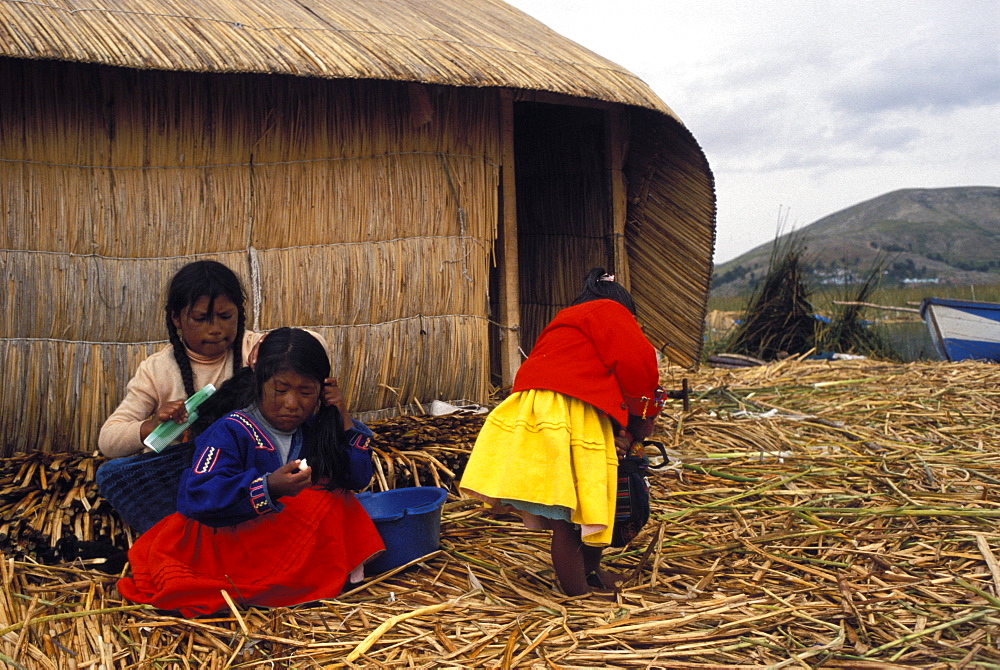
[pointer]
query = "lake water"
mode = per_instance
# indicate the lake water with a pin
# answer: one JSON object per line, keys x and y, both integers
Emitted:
{"x": 910, "y": 340}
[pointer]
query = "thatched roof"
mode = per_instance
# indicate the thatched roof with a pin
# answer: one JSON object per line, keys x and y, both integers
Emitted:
{"x": 452, "y": 42}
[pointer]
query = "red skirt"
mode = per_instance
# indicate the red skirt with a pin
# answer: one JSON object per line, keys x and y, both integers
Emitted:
{"x": 304, "y": 552}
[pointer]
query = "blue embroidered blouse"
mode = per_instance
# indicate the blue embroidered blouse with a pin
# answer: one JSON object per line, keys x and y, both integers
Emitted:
{"x": 227, "y": 483}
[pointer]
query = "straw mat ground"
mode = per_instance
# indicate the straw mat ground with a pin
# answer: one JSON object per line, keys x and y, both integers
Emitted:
{"x": 814, "y": 514}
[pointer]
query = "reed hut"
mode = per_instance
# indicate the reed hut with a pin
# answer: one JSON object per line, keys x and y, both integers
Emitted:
{"x": 424, "y": 182}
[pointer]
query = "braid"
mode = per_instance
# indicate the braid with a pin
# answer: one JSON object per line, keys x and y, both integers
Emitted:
{"x": 241, "y": 319}
{"x": 328, "y": 449}
{"x": 237, "y": 392}
{"x": 180, "y": 355}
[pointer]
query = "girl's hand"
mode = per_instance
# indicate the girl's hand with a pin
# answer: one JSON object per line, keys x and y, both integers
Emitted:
{"x": 623, "y": 440}
{"x": 172, "y": 410}
{"x": 640, "y": 428}
{"x": 288, "y": 480}
{"x": 333, "y": 395}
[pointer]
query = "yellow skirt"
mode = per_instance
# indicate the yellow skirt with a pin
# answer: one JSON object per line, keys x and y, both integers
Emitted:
{"x": 548, "y": 450}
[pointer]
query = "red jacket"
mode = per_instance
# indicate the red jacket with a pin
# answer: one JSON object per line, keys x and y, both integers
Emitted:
{"x": 594, "y": 351}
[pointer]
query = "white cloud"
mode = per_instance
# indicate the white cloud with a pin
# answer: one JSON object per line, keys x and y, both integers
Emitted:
{"x": 807, "y": 107}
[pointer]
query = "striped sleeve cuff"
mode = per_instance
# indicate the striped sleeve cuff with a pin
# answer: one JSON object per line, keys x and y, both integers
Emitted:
{"x": 260, "y": 498}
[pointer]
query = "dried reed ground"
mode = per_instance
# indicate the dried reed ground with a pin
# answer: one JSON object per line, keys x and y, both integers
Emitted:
{"x": 834, "y": 514}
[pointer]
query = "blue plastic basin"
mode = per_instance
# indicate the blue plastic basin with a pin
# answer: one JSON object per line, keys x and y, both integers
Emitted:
{"x": 409, "y": 521}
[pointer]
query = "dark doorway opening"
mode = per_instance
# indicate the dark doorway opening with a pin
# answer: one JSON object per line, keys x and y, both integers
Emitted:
{"x": 562, "y": 207}
{"x": 564, "y": 214}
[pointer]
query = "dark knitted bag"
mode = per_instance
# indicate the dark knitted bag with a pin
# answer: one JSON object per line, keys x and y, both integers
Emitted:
{"x": 143, "y": 488}
{"x": 632, "y": 502}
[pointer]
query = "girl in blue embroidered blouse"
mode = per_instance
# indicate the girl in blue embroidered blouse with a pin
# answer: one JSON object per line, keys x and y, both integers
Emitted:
{"x": 292, "y": 409}
{"x": 266, "y": 511}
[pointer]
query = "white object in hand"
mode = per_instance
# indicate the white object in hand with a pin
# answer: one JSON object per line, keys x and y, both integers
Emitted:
{"x": 303, "y": 465}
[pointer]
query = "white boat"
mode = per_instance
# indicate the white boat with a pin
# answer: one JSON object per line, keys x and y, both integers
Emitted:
{"x": 963, "y": 329}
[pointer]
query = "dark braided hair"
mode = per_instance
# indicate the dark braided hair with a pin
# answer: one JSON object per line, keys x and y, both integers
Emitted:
{"x": 191, "y": 282}
{"x": 288, "y": 349}
{"x": 595, "y": 288}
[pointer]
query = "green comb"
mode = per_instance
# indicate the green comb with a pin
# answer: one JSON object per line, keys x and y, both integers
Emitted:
{"x": 168, "y": 431}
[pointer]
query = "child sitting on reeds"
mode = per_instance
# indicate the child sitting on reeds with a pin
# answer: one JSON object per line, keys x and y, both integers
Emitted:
{"x": 205, "y": 317}
{"x": 265, "y": 513}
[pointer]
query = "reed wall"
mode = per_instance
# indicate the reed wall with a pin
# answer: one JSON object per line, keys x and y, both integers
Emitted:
{"x": 365, "y": 210}
{"x": 670, "y": 234}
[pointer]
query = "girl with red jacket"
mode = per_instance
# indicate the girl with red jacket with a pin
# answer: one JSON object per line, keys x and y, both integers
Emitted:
{"x": 550, "y": 450}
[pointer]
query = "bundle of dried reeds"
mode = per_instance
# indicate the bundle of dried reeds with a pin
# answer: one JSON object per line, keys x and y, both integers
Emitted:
{"x": 778, "y": 319}
{"x": 51, "y": 511}
{"x": 423, "y": 451}
{"x": 834, "y": 514}
{"x": 49, "y": 504}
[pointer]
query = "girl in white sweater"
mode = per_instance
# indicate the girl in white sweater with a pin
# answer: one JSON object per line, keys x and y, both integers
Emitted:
{"x": 205, "y": 317}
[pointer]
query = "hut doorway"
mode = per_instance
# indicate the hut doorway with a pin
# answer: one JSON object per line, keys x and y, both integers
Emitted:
{"x": 564, "y": 172}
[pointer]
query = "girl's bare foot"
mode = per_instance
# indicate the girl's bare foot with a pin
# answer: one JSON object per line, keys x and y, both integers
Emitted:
{"x": 605, "y": 582}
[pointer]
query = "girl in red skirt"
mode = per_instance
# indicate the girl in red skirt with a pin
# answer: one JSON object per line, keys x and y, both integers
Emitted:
{"x": 266, "y": 512}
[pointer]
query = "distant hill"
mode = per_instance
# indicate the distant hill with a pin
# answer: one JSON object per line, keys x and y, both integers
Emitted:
{"x": 918, "y": 235}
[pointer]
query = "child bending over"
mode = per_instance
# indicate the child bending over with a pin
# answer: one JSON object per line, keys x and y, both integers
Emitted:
{"x": 550, "y": 450}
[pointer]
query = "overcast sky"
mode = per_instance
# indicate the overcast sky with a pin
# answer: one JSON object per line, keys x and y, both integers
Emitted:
{"x": 806, "y": 107}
